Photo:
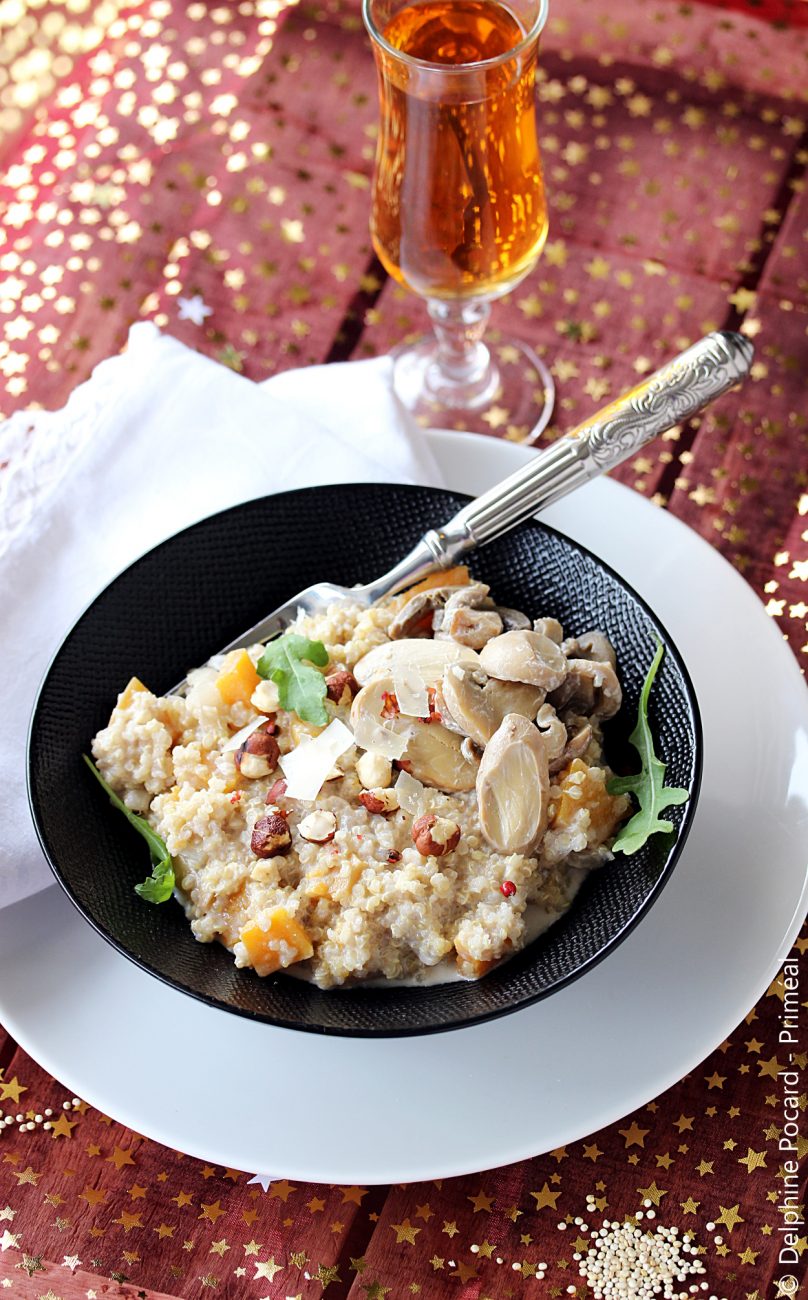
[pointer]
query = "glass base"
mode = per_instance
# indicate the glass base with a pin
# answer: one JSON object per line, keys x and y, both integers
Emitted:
{"x": 511, "y": 396}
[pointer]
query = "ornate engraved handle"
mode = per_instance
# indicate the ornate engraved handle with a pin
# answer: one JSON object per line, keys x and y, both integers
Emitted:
{"x": 667, "y": 397}
{"x": 672, "y": 394}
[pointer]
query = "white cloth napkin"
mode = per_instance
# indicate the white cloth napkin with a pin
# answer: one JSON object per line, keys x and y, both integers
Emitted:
{"x": 156, "y": 439}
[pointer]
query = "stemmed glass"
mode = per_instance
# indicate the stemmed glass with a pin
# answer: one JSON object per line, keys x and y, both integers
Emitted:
{"x": 459, "y": 212}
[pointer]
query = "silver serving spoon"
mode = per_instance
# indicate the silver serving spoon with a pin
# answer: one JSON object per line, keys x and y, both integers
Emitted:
{"x": 675, "y": 393}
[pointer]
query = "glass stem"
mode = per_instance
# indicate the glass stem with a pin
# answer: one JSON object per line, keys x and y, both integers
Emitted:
{"x": 464, "y": 373}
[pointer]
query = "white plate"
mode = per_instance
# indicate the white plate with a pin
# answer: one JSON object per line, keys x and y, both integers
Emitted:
{"x": 338, "y": 1110}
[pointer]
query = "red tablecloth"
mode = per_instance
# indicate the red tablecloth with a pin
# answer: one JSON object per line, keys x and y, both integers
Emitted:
{"x": 161, "y": 150}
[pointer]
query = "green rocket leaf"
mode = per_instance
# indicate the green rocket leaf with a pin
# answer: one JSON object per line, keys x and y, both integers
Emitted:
{"x": 648, "y": 785}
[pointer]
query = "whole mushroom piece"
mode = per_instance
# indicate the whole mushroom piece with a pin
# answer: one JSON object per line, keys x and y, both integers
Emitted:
{"x": 523, "y": 656}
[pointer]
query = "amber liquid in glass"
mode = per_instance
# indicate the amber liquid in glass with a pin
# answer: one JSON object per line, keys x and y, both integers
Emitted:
{"x": 458, "y": 204}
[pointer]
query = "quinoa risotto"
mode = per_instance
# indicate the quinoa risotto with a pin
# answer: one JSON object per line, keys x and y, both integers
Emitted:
{"x": 440, "y": 811}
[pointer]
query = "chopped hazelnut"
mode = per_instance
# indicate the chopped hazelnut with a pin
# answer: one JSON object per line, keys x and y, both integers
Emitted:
{"x": 319, "y": 827}
{"x": 379, "y": 800}
{"x": 276, "y": 791}
{"x": 435, "y": 836}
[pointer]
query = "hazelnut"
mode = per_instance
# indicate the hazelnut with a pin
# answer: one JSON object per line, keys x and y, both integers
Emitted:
{"x": 434, "y": 836}
{"x": 379, "y": 800}
{"x": 319, "y": 827}
{"x": 270, "y": 836}
{"x": 374, "y": 770}
{"x": 263, "y": 742}
{"x": 341, "y": 686}
{"x": 258, "y": 756}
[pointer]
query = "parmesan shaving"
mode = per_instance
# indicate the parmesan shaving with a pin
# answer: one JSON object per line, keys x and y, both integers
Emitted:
{"x": 412, "y": 795}
{"x": 410, "y": 690}
{"x": 308, "y": 765}
{"x": 369, "y": 733}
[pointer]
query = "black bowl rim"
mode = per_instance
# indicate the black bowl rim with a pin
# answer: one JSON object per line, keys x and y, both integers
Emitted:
{"x": 466, "y": 1022}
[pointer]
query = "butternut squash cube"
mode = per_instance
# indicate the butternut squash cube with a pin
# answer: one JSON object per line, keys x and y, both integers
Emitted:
{"x": 585, "y": 787}
{"x": 278, "y": 944}
{"x": 238, "y": 678}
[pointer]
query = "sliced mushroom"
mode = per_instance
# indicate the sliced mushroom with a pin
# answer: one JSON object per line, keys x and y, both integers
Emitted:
{"x": 512, "y": 619}
{"x": 427, "y": 657}
{"x": 467, "y": 619}
{"x": 414, "y": 619}
{"x": 433, "y": 753}
{"x": 436, "y": 757}
{"x": 579, "y": 733}
{"x": 523, "y": 656}
{"x": 475, "y": 705}
{"x": 549, "y": 627}
{"x": 553, "y": 733}
{"x": 565, "y": 740}
{"x": 591, "y": 645}
{"x": 513, "y": 787}
{"x": 591, "y": 688}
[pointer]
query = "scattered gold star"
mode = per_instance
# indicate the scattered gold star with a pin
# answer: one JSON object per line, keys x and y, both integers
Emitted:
{"x": 267, "y": 1269}
{"x": 11, "y": 1090}
{"x": 405, "y": 1232}
{"x": 327, "y": 1275}
{"x": 652, "y": 1193}
{"x": 211, "y": 1212}
{"x": 748, "y": 1256}
{"x": 282, "y": 1189}
{"x": 481, "y": 1202}
{"x": 27, "y": 1176}
{"x": 545, "y": 1198}
{"x": 634, "y": 1136}
{"x": 121, "y": 1157}
{"x": 753, "y": 1160}
{"x": 129, "y": 1221}
{"x": 729, "y": 1217}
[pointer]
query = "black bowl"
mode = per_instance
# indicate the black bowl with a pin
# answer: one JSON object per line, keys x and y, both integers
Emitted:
{"x": 196, "y": 592}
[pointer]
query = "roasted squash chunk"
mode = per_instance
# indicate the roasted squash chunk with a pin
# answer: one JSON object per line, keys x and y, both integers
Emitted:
{"x": 583, "y": 786}
{"x": 238, "y": 678}
{"x": 278, "y": 944}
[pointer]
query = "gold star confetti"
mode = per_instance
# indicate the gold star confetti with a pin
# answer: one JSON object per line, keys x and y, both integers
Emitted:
{"x": 405, "y": 1232}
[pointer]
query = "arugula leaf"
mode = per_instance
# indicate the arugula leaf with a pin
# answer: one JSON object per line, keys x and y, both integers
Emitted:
{"x": 288, "y": 663}
{"x": 647, "y": 785}
{"x": 159, "y": 886}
